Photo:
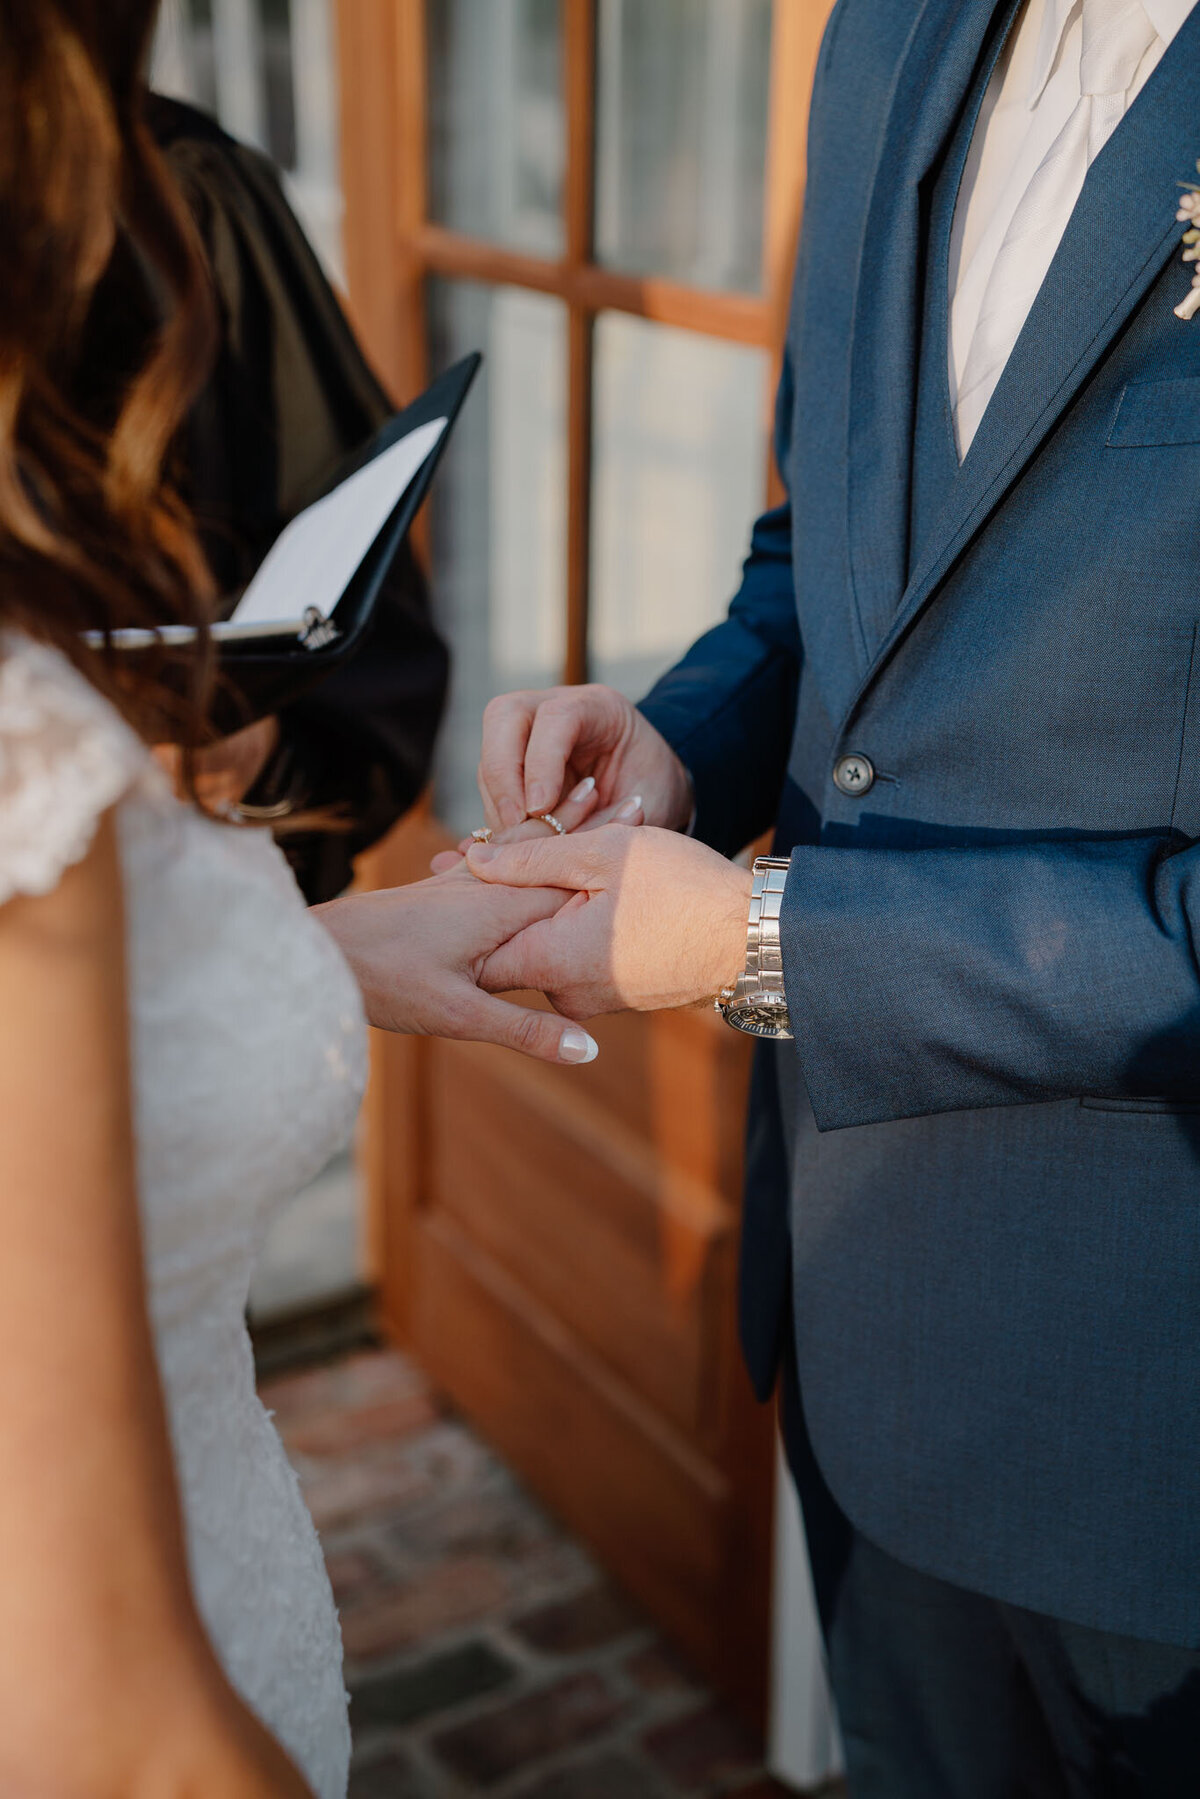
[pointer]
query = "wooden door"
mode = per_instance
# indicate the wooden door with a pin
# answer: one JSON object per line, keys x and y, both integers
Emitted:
{"x": 603, "y": 194}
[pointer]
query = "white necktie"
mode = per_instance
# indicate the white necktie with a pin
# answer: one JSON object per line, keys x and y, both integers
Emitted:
{"x": 1115, "y": 38}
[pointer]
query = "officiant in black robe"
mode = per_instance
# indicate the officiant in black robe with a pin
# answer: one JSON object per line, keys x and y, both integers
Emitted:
{"x": 289, "y": 401}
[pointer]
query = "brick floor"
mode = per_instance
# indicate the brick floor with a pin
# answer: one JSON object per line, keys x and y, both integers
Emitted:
{"x": 485, "y": 1652}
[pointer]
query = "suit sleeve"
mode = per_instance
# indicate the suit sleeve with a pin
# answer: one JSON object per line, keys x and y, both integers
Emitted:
{"x": 728, "y": 708}
{"x": 923, "y": 981}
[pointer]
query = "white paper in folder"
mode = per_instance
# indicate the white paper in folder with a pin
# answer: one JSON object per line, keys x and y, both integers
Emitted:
{"x": 313, "y": 560}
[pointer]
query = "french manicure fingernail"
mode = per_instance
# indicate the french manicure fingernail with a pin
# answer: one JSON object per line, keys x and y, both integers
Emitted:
{"x": 536, "y": 800}
{"x": 584, "y": 788}
{"x": 631, "y": 806}
{"x": 576, "y": 1046}
{"x": 481, "y": 852}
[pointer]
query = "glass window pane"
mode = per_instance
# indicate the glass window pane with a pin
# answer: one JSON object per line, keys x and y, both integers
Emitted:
{"x": 184, "y": 60}
{"x": 499, "y": 516}
{"x": 681, "y": 138}
{"x": 496, "y": 129}
{"x": 279, "y": 98}
{"x": 679, "y": 469}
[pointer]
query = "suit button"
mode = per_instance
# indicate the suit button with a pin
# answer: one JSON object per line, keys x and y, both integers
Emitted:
{"x": 853, "y": 775}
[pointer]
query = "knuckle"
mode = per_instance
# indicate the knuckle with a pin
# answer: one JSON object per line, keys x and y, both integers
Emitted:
{"x": 601, "y": 695}
{"x": 560, "y": 701}
{"x": 525, "y": 1030}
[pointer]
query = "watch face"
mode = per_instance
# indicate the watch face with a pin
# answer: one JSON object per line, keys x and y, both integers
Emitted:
{"x": 760, "y": 1020}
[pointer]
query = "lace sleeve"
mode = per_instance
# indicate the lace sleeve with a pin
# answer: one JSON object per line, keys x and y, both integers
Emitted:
{"x": 66, "y": 756}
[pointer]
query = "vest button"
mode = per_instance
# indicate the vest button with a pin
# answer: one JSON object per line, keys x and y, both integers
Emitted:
{"x": 853, "y": 775}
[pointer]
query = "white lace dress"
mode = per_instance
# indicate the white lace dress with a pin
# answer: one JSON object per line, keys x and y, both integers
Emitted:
{"x": 249, "y": 1061}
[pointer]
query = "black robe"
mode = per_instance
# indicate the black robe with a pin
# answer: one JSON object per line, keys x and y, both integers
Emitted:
{"x": 290, "y": 398}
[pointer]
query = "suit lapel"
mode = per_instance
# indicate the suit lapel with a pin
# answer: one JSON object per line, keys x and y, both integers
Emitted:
{"x": 1121, "y": 233}
{"x": 933, "y": 77}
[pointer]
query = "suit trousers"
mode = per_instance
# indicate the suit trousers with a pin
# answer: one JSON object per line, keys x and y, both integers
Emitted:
{"x": 943, "y": 1693}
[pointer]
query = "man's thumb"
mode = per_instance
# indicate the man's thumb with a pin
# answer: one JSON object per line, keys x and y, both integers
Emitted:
{"x": 542, "y": 1035}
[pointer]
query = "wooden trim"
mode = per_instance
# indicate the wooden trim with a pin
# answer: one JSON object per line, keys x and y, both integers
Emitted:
{"x": 796, "y": 33}
{"x": 580, "y": 362}
{"x": 396, "y": 1157}
{"x": 579, "y": 90}
{"x": 366, "y": 50}
{"x": 579, "y": 82}
{"x": 369, "y": 158}
{"x": 412, "y": 181}
{"x": 739, "y": 318}
{"x": 742, "y": 318}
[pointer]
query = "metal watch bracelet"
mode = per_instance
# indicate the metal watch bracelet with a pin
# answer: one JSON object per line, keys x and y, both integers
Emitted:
{"x": 757, "y": 1002}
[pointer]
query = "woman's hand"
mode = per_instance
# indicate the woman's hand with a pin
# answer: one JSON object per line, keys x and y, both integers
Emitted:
{"x": 656, "y": 920}
{"x": 538, "y": 746}
{"x": 417, "y": 953}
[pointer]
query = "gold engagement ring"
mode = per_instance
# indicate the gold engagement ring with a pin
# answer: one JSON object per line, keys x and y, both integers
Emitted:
{"x": 548, "y": 818}
{"x": 483, "y": 834}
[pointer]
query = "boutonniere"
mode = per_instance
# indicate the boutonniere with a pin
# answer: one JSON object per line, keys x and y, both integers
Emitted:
{"x": 1189, "y": 215}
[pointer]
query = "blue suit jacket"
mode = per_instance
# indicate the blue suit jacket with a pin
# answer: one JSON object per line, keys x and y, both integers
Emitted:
{"x": 978, "y": 1168}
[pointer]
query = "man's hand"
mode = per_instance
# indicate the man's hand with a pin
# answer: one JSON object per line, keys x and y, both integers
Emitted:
{"x": 418, "y": 952}
{"x": 538, "y": 746}
{"x": 656, "y": 920}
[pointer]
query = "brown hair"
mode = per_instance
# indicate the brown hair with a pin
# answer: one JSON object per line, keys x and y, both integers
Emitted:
{"x": 91, "y": 534}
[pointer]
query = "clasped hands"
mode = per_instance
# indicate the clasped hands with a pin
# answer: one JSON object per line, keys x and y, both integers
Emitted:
{"x": 620, "y": 912}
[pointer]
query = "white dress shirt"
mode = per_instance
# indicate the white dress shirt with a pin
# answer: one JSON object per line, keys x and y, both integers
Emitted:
{"x": 1020, "y": 134}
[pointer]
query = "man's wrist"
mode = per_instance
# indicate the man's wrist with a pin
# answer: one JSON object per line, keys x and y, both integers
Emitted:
{"x": 755, "y": 1001}
{"x": 732, "y": 958}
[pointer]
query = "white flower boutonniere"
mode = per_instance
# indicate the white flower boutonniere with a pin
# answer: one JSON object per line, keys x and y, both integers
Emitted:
{"x": 1189, "y": 215}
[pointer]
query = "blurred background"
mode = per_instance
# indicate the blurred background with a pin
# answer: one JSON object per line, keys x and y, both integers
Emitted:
{"x": 603, "y": 196}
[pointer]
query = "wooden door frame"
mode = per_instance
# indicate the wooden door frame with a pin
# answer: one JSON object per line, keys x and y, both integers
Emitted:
{"x": 392, "y": 249}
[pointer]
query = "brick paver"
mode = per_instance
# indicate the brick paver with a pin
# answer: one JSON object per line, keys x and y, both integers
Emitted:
{"x": 485, "y": 1652}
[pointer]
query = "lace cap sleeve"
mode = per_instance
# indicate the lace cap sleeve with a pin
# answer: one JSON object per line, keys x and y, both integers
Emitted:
{"x": 66, "y": 756}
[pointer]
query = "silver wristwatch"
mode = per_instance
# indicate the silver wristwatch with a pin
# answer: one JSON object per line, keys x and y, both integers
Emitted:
{"x": 757, "y": 1002}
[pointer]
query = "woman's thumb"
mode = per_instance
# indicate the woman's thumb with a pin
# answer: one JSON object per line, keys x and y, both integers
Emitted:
{"x": 538, "y": 862}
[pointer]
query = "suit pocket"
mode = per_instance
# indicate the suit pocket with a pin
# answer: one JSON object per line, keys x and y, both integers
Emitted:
{"x": 1185, "y": 803}
{"x": 1155, "y": 414}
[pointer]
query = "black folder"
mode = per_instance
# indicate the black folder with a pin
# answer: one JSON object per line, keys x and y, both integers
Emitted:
{"x": 262, "y": 669}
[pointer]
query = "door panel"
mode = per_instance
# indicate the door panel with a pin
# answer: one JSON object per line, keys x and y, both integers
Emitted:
{"x": 656, "y": 1512}
{"x": 558, "y": 1246}
{"x": 621, "y": 1249}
